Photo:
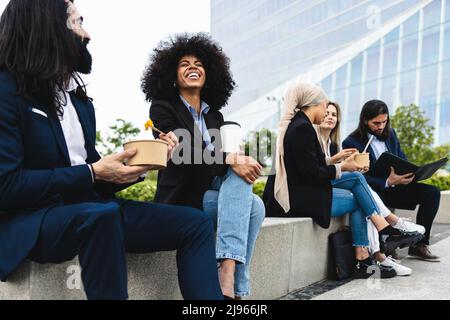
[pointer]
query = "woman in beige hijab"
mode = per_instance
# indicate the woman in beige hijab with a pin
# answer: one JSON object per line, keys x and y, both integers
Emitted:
{"x": 302, "y": 184}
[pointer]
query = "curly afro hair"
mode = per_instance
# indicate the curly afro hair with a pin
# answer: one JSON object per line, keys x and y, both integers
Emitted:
{"x": 161, "y": 72}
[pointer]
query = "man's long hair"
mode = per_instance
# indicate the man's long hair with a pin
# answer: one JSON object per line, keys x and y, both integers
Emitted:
{"x": 370, "y": 110}
{"x": 39, "y": 49}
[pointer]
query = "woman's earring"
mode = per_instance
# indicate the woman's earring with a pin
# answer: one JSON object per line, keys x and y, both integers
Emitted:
{"x": 174, "y": 84}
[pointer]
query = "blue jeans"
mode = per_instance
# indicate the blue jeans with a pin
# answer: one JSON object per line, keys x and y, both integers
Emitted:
{"x": 238, "y": 215}
{"x": 352, "y": 194}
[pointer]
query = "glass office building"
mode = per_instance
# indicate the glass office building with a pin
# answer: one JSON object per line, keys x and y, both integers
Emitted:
{"x": 394, "y": 50}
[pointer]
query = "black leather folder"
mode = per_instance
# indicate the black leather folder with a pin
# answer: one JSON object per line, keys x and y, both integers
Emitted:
{"x": 387, "y": 160}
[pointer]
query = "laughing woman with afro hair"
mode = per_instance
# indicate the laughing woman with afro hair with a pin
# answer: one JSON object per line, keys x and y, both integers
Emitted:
{"x": 187, "y": 82}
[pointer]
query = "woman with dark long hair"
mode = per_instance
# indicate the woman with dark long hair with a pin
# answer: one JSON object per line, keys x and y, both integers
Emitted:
{"x": 188, "y": 81}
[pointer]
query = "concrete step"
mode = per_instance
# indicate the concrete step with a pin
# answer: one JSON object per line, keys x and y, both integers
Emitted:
{"x": 290, "y": 254}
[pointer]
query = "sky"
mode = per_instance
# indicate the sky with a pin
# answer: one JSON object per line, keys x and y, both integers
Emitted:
{"x": 124, "y": 33}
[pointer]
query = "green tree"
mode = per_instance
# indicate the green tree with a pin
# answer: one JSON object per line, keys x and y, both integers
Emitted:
{"x": 443, "y": 151}
{"x": 144, "y": 191}
{"x": 261, "y": 145}
{"x": 414, "y": 133}
{"x": 122, "y": 131}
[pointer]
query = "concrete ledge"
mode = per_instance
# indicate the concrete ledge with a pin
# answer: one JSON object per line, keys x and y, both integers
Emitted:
{"x": 290, "y": 254}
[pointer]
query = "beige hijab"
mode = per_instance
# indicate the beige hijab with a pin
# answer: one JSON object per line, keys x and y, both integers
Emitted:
{"x": 298, "y": 96}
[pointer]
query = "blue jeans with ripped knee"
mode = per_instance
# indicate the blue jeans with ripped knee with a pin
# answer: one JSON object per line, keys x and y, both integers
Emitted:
{"x": 352, "y": 194}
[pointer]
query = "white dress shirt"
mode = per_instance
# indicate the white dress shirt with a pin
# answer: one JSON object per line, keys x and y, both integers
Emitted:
{"x": 73, "y": 132}
{"x": 378, "y": 147}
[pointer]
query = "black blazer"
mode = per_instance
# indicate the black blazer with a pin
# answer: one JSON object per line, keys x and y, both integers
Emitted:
{"x": 186, "y": 184}
{"x": 309, "y": 177}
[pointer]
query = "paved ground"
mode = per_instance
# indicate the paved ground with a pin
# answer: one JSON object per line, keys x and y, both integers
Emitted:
{"x": 428, "y": 281}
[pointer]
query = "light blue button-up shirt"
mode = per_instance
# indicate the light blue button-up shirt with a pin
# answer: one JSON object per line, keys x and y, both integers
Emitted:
{"x": 199, "y": 120}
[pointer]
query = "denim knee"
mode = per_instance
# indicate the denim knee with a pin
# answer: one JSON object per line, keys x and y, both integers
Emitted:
{"x": 359, "y": 175}
{"x": 258, "y": 209}
{"x": 237, "y": 179}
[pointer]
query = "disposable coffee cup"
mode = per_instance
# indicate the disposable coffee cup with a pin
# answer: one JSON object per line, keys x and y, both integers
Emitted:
{"x": 149, "y": 153}
{"x": 363, "y": 159}
{"x": 230, "y": 133}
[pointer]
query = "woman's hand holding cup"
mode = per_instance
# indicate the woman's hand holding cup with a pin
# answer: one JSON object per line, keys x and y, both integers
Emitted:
{"x": 351, "y": 165}
{"x": 342, "y": 155}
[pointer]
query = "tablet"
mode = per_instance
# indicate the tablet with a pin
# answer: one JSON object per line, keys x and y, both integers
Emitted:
{"x": 402, "y": 166}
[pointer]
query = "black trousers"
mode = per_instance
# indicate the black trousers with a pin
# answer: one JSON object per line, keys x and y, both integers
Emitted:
{"x": 409, "y": 196}
{"x": 101, "y": 233}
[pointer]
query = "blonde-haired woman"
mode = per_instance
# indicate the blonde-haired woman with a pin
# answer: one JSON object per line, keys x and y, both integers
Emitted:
{"x": 302, "y": 184}
{"x": 329, "y": 139}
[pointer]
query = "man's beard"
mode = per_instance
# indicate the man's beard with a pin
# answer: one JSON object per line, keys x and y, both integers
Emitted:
{"x": 377, "y": 134}
{"x": 84, "y": 64}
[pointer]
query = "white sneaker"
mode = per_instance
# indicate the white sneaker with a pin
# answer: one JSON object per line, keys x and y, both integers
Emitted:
{"x": 395, "y": 260}
{"x": 401, "y": 270}
{"x": 406, "y": 225}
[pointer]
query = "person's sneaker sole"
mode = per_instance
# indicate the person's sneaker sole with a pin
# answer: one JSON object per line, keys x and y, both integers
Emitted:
{"x": 390, "y": 246}
{"x": 388, "y": 274}
{"x": 423, "y": 259}
{"x": 405, "y": 273}
{"x": 383, "y": 274}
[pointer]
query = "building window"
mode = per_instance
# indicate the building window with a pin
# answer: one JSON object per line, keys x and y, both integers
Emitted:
{"x": 389, "y": 91}
{"x": 409, "y": 55}
{"x": 370, "y": 89}
{"x": 407, "y": 87}
{"x": 373, "y": 61}
{"x": 430, "y": 46}
{"x": 432, "y": 14}
{"x": 390, "y": 53}
{"x": 356, "y": 74}
{"x": 354, "y": 105}
{"x": 428, "y": 91}
{"x": 327, "y": 84}
{"x": 447, "y": 33}
{"x": 341, "y": 77}
{"x": 444, "y": 136}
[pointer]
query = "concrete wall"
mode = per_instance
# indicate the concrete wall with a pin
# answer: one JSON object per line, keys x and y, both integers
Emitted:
{"x": 290, "y": 254}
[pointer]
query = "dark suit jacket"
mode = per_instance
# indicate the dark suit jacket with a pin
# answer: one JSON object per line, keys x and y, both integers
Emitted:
{"x": 185, "y": 184}
{"x": 35, "y": 170}
{"x": 309, "y": 177}
{"x": 393, "y": 145}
